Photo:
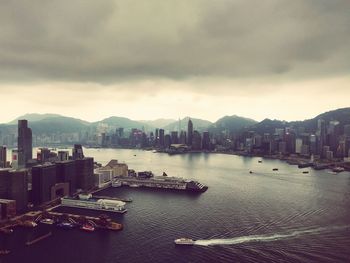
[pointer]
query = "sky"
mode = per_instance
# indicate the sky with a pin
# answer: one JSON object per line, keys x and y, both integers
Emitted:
{"x": 145, "y": 60}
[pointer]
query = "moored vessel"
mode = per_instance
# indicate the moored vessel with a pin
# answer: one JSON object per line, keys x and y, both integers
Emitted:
{"x": 184, "y": 241}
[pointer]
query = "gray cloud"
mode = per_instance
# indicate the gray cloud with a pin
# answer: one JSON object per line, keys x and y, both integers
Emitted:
{"x": 107, "y": 41}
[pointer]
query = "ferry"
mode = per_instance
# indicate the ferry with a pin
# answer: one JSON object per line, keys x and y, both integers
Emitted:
{"x": 88, "y": 202}
{"x": 184, "y": 241}
{"x": 165, "y": 182}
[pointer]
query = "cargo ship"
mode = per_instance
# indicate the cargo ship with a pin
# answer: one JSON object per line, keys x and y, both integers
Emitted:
{"x": 147, "y": 179}
{"x": 88, "y": 202}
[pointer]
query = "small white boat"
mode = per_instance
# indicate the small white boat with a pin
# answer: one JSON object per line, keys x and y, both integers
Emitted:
{"x": 116, "y": 183}
{"x": 47, "y": 221}
{"x": 184, "y": 241}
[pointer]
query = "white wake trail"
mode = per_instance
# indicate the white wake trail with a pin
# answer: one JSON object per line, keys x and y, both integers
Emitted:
{"x": 265, "y": 238}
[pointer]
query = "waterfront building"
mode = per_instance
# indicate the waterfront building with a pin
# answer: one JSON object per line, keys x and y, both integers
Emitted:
{"x": 77, "y": 152}
{"x": 63, "y": 156}
{"x": 196, "y": 141}
{"x": 66, "y": 173}
{"x": 14, "y": 163}
{"x": 182, "y": 139}
{"x": 321, "y": 136}
{"x": 85, "y": 173}
{"x": 118, "y": 169}
{"x": 206, "y": 141}
{"x": 298, "y": 145}
{"x": 3, "y": 157}
{"x": 43, "y": 179}
{"x": 161, "y": 138}
{"x": 43, "y": 155}
{"x": 7, "y": 209}
{"x": 167, "y": 141}
{"x": 25, "y": 148}
{"x": 19, "y": 188}
{"x": 174, "y": 137}
{"x": 189, "y": 132}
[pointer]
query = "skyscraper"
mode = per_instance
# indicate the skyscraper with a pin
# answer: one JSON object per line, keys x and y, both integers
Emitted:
{"x": 77, "y": 152}
{"x": 189, "y": 132}
{"x": 25, "y": 147}
{"x": 3, "y": 160}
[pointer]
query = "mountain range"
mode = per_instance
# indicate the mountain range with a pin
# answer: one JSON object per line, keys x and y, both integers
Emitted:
{"x": 55, "y": 123}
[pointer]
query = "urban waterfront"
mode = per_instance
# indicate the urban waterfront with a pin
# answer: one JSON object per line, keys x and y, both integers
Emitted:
{"x": 266, "y": 216}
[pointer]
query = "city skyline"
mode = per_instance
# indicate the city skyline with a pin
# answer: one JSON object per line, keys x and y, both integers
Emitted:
{"x": 282, "y": 60}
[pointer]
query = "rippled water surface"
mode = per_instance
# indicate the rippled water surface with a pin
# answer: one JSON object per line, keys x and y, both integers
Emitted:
{"x": 283, "y": 216}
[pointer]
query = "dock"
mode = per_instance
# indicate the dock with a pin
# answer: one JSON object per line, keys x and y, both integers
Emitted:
{"x": 126, "y": 200}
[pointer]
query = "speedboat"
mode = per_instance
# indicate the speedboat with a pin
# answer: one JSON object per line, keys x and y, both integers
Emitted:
{"x": 184, "y": 241}
{"x": 66, "y": 225}
{"x": 47, "y": 221}
{"x": 88, "y": 227}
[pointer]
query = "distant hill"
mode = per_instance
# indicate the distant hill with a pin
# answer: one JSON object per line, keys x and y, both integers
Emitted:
{"x": 198, "y": 124}
{"x": 159, "y": 123}
{"x": 342, "y": 115}
{"x": 310, "y": 125}
{"x": 232, "y": 123}
{"x": 58, "y": 125}
{"x": 121, "y": 122}
{"x": 267, "y": 126}
{"x": 34, "y": 117}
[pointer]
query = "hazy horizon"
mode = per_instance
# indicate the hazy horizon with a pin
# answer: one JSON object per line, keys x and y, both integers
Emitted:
{"x": 286, "y": 60}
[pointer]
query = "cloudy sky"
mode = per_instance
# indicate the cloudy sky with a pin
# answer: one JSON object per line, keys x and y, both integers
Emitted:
{"x": 168, "y": 59}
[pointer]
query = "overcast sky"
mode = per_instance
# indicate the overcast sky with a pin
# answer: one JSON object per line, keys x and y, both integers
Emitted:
{"x": 168, "y": 59}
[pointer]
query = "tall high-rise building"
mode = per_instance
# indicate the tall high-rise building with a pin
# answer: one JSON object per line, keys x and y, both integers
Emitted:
{"x": 43, "y": 179}
{"x": 77, "y": 152}
{"x": 174, "y": 137}
{"x": 25, "y": 147}
{"x": 206, "y": 141}
{"x": 3, "y": 159}
{"x": 189, "y": 132}
{"x": 161, "y": 138}
{"x": 197, "y": 141}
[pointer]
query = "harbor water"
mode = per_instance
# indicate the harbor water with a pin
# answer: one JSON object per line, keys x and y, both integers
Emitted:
{"x": 264, "y": 216}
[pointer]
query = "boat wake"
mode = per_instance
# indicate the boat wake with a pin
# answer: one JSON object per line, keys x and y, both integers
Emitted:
{"x": 266, "y": 238}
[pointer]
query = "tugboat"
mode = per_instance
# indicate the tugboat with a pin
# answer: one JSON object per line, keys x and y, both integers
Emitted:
{"x": 184, "y": 241}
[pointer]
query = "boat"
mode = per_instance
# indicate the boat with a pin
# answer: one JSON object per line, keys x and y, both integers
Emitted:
{"x": 250, "y": 172}
{"x": 260, "y": 161}
{"x": 184, "y": 241}
{"x": 65, "y": 225}
{"x": 88, "y": 228}
{"x": 275, "y": 169}
{"x": 338, "y": 169}
{"x": 29, "y": 223}
{"x": 163, "y": 182}
{"x": 47, "y": 221}
{"x": 5, "y": 252}
{"x": 305, "y": 172}
{"x": 116, "y": 183}
{"x": 88, "y": 202}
